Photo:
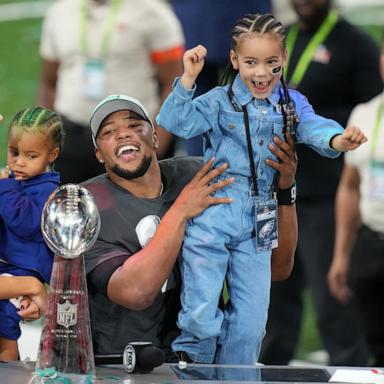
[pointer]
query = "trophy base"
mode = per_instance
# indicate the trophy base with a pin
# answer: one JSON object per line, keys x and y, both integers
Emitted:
{"x": 66, "y": 341}
{"x": 51, "y": 376}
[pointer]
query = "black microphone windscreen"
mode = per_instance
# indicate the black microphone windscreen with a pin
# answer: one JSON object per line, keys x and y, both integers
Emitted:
{"x": 150, "y": 357}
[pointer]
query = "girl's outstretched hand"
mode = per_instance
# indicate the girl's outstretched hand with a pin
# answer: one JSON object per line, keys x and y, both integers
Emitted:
{"x": 350, "y": 139}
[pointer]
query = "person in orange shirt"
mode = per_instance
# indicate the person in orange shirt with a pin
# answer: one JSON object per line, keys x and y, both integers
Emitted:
{"x": 103, "y": 47}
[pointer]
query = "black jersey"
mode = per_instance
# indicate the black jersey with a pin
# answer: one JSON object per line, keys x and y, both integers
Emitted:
{"x": 127, "y": 224}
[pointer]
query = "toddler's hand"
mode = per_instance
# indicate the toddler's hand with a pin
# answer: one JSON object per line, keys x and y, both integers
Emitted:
{"x": 5, "y": 174}
{"x": 351, "y": 139}
{"x": 29, "y": 310}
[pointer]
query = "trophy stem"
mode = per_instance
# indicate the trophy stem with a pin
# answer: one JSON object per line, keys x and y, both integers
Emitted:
{"x": 66, "y": 341}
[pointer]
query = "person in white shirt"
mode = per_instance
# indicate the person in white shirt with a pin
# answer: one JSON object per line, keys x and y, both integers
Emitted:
{"x": 357, "y": 268}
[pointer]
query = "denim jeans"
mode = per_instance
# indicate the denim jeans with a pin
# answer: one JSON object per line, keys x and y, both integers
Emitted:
{"x": 221, "y": 243}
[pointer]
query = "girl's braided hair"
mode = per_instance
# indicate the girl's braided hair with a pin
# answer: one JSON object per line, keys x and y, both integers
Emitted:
{"x": 248, "y": 25}
{"x": 261, "y": 24}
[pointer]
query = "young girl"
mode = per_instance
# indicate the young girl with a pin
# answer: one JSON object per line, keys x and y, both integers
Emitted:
{"x": 238, "y": 121}
{"x": 35, "y": 139}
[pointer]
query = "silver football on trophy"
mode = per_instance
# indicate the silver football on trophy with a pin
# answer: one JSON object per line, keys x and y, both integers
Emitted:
{"x": 70, "y": 221}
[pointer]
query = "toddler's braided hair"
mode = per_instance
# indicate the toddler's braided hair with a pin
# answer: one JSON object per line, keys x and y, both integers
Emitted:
{"x": 37, "y": 119}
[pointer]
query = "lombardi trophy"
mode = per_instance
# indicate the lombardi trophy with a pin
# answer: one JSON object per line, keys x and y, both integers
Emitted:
{"x": 70, "y": 224}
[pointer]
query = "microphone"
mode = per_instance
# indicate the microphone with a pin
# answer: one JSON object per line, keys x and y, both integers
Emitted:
{"x": 138, "y": 357}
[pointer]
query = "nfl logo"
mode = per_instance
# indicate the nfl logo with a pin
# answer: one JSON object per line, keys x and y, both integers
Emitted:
{"x": 67, "y": 314}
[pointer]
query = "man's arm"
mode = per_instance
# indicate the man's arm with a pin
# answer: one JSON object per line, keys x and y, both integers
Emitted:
{"x": 47, "y": 84}
{"x": 347, "y": 223}
{"x": 139, "y": 280}
{"x": 283, "y": 256}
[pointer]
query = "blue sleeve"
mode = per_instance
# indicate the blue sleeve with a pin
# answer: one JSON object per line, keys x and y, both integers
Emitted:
{"x": 20, "y": 211}
{"x": 314, "y": 130}
{"x": 183, "y": 116}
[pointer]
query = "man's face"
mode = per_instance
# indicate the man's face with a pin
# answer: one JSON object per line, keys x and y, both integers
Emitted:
{"x": 311, "y": 10}
{"x": 126, "y": 143}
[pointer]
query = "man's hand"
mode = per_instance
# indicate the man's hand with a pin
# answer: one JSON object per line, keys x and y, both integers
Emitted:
{"x": 351, "y": 139}
{"x": 196, "y": 196}
{"x": 286, "y": 153}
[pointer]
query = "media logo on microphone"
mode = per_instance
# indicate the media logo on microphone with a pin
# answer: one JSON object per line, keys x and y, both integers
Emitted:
{"x": 129, "y": 358}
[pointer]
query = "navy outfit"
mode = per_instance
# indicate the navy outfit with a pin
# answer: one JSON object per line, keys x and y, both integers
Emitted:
{"x": 221, "y": 242}
{"x": 23, "y": 251}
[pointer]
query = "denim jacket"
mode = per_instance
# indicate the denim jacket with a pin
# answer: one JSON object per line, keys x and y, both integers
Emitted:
{"x": 223, "y": 129}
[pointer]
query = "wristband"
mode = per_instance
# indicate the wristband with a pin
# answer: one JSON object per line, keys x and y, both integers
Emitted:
{"x": 287, "y": 196}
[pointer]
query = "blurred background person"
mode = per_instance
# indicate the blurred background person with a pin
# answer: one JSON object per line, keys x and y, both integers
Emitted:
{"x": 357, "y": 267}
{"x": 335, "y": 65}
{"x": 92, "y": 48}
{"x": 209, "y": 22}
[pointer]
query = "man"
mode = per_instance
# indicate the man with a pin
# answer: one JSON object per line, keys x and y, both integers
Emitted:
{"x": 358, "y": 263}
{"x": 329, "y": 61}
{"x": 144, "y": 207}
{"x": 92, "y": 48}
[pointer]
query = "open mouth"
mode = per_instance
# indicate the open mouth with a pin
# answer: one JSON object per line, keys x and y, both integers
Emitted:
{"x": 127, "y": 152}
{"x": 261, "y": 86}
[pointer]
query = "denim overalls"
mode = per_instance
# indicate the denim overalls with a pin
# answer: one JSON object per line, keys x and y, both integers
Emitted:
{"x": 220, "y": 242}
